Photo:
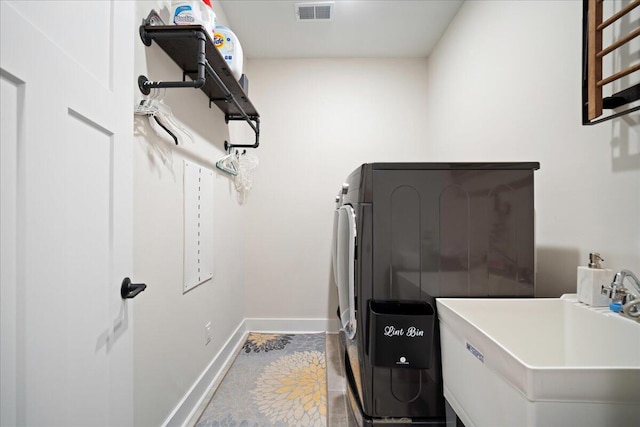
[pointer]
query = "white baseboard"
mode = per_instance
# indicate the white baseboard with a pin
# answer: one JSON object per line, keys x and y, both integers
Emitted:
{"x": 291, "y": 325}
{"x": 192, "y": 400}
{"x": 187, "y": 408}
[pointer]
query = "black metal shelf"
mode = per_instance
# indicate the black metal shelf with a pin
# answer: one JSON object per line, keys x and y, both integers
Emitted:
{"x": 193, "y": 50}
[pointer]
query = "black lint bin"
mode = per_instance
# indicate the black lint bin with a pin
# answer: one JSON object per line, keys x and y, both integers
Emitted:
{"x": 400, "y": 334}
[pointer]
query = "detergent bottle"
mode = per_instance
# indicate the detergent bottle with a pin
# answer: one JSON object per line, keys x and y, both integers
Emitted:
{"x": 194, "y": 12}
{"x": 210, "y": 18}
{"x": 230, "y": 49}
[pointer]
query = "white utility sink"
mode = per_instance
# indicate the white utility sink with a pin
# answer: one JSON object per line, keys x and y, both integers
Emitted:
{"x": 539, "y": 362}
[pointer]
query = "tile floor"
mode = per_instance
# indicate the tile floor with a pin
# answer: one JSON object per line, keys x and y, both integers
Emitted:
{"x": 336, "y": 385}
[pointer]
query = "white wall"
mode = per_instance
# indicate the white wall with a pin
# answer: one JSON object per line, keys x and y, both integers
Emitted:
{"x": 499, "y": 87}
{"x": 170, "y": 351}
{"x": 321, "y": 118}
{"x": 504, "y": 84}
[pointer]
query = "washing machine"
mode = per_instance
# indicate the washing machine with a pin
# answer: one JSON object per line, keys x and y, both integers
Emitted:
{"x": 404, "y": 235}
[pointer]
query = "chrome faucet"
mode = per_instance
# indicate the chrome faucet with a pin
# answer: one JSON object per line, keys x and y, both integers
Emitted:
{"x": 628, "y": 299}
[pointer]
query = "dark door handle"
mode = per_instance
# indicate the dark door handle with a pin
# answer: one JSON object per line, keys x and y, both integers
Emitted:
{"x": 130, "y": 290}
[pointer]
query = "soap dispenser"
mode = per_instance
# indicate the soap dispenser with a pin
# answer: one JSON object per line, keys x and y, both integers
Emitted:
{"x": 590, "y": 281}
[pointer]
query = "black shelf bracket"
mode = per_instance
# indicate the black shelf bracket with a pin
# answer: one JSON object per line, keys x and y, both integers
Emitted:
{"x": 256, "y": 129}
{"x": 211, "y": 75}
{"x": 145, "y": 85}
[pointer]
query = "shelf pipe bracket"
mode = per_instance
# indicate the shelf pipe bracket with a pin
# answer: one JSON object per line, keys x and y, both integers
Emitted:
{"x": 145, "y": 85}
{"x": 228, "y": 97}
{"x": 256, "y": 128}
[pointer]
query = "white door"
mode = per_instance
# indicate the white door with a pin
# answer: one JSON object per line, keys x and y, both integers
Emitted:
{"x": 345, "y": 256}
{"x": 66, "y": 82}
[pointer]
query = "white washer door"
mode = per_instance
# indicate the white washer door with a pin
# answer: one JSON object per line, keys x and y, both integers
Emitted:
{"x": 345, "y": 248}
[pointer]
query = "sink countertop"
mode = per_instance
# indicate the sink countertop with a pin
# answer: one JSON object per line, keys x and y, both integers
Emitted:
{"x": 552, "y": 349}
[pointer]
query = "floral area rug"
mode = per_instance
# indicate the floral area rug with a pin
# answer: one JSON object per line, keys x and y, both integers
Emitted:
{"x": 276, "y": 380}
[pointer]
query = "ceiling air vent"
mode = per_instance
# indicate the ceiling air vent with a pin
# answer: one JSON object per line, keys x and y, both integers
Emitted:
{"x": 317, "y": 11}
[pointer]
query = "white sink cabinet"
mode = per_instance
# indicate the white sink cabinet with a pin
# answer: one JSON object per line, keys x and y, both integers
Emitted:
{"x": 539, "y": 362}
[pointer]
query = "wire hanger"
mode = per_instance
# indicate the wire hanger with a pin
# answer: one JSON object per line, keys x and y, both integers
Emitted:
{"x": 153, "y": 107}
{"x": 230, "y": 163}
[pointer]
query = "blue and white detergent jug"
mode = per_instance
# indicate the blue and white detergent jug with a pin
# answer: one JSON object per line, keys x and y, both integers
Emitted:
{"x": 230, "y": 49}
{"x": 195, "y": 12}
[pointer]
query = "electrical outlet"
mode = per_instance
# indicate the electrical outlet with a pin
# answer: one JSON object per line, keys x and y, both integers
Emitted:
{"x": 207, "y": 333}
